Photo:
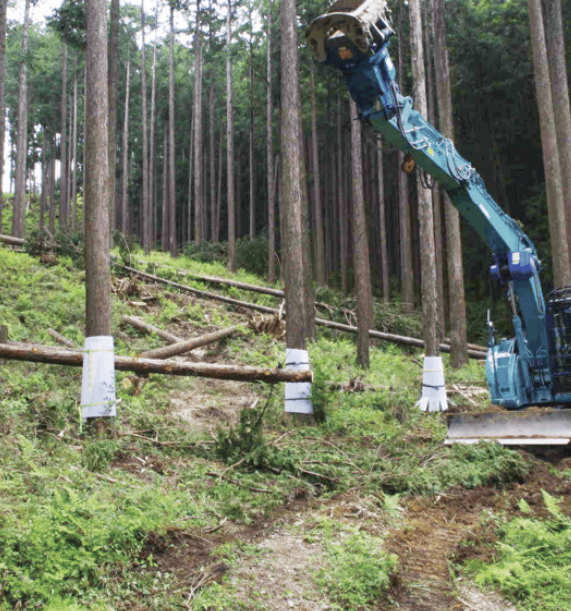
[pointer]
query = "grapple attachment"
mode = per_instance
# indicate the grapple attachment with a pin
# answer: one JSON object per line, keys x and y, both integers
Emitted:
{"x": 360, "y": 21}
{"x": 550, "y": 427}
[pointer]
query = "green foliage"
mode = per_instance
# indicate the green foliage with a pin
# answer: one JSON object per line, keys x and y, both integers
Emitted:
{"x": 252, "y": 255}
{"x": 469, "y": 466}
{"x": 64, "y": 543}
{"x": 356, "y": 569}
{"x": 62, "y": 244}
{"x": 97, "y": 455}
{"x": 534, "y": 559}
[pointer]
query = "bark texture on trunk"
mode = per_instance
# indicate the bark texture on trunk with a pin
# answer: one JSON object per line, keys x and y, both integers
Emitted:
{"x": 22, "y": 139}
{"x": 73, "y": 196}
{"x": 63, "y": 193}
{"x": 555, "y": 202}
{"x": 189, "y": 344}
{"x": 297, "y": 327}
{"x": 145, "y": 195}
{"x": 319, "y": 265}
{"x": 125, "y": 163}
{"x": 425, "y": 213}
{"x": 270, "y": 154}
{"x": 560, "y": 86}
{"x": 152, "y": 145}
{"x": 232, "y": 259}
{"x": 171, "y": 147}
{"x": 97, "y": 272}
{"x": 199, "y": 210}
{"x": 113, "y": 84}
{"x": 383, "y": 247}
{"x": 361, "y": 260}
{"x": 74, "y": 358}
{"x": 456, "y": 296}
{"x": 3, "y": 12}
{"x": 145, "y": 327}
{"x": 405, "y": 233}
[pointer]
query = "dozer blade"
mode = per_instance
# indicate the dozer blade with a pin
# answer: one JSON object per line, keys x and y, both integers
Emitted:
{"x": 531, "y": 427}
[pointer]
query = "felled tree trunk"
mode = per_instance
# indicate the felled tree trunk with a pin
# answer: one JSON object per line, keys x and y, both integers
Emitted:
{"x": 189, "y": 344}
{"x": 145, "y": 327}
{"x": 59, "y": 356}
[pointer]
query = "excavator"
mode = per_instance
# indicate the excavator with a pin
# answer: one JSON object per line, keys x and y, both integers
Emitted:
{"x": 529, "y": 375}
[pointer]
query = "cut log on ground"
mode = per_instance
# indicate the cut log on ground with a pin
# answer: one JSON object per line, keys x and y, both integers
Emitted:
{"x": 61, "y": 339}
{"x": 189, "y": 344}
{"x": 225, "y": 281}
{"x": 198, "y": 292}
{"x": 389, "y": 337}
{"x": 12, "y": 240}
{"x": 145, "y": 327}
{"x": 240, "y": 373}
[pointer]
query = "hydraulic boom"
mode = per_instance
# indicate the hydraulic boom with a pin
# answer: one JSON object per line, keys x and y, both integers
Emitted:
{"x": 533, "y": 368}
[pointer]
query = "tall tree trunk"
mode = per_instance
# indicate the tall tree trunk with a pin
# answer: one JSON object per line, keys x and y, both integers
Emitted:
{"x": 342, "y": 206}
{"x": 308, "y": 298}
{"x": 125, "y": 147}
{"x": 43, "y": 196}
{"x": 425, "y": 213}
{"x": 297, "y": 326}
{"x": 74, "y": 158}
{"x": 319, "y": 237}
{"x": 63, "y": 195}
{"x": 405, "y": 233}
{"x": 113, "y": 84}
{"x": 560, "y": 86}
{"x": 97, "y": 270}
{"x": 232, "y": 259}
{"x": 212, "y": 157}
{"x": 270, "y": 154}
{"x": 165, "y": 230}
{"x": 51, "y": 189}
{"x": 384, "y": 251}
{"x": 361, "y": 260}
{"x": 145, "y": 199}
{"x": 555, "y": 202}
{"x": 152, "y": 145}
{"x": 198, "y": 139}
{"x": 190, "y": 166}
{"x": 436, "y": 199}
{"x": 21, "y": 147}
{"x": 456, "y": 296}
{"x": 171, "y": 158}
{"x": 3, "y": 10}
{"x": 219, "y": 186}
{"x": 252, "y": 227}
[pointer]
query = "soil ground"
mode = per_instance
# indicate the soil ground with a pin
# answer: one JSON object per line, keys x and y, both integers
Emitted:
{"x": 434, "y": 534}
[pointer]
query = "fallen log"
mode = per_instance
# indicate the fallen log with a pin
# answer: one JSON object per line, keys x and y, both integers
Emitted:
{"x": 245, "y": 286}
{"x": 61, "y": 339}
{"x": 10, "y": 239}
{"x": 198, "y": 292}
{"x": 189, "y": 344}
{"x": 145, "y": 327}
{"x": 389, "y": 337}
{"x": 240, "y": 373}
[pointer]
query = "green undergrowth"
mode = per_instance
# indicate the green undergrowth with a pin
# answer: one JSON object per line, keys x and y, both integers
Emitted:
{"x": 76, "y": 511}
{"x": 532, "y": 560}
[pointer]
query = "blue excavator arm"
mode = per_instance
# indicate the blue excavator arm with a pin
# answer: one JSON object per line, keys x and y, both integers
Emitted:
{"x": 520, "y": 371}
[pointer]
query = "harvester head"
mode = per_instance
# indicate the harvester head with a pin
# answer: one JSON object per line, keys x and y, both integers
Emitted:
{"x": 362, "y": 22}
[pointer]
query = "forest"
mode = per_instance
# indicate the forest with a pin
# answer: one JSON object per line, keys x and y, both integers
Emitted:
{"x": 196, "y": 211}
